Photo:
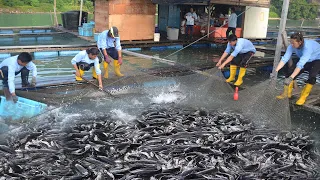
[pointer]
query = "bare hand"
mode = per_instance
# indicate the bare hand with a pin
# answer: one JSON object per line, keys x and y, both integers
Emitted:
{"x": 218, "y": 64}
{"x": 100, "y": 87}
{"x": 221, "y": 66}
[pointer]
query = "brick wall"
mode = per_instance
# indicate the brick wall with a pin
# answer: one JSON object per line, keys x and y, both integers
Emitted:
{"x": 135, "y": 19}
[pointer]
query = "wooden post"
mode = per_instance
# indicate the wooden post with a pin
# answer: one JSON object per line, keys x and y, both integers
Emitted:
{"x": 80, "y": 16}
{"x": 55, "y": 13}
{"x": 284, "y": 13}
{"x": 209, "y": 17}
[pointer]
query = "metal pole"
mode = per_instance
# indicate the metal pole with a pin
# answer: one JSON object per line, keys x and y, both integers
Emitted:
{"x": 209, "y": 17}
{"x": 282, "y": 28}
{"x": 80, "y": 17}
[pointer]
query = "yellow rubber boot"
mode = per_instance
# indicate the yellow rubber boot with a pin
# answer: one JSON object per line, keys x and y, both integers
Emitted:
{"x": 240, "y": 76}
{"x": 290, "y": 88}
{"x": 117, "y": 68}
{"x": 304, "y": 94}
{"x": 94, "y": 73}
{"x": 287, "y": 91}
{"x": 81, "y": 74}
{"x": 233, "y": 70}
{"x": 106, "y": 72}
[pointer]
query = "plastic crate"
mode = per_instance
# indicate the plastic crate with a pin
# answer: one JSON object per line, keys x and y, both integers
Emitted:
{"x": 24, "y": 108}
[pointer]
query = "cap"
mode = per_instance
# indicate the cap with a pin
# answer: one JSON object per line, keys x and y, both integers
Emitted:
{"x": 114, "y": 31}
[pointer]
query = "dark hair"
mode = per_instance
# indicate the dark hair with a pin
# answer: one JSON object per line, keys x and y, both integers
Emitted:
{"x": 25, "y": 57}
{"x": 233, "y": 9}
{"x": 232, "y": 37}
{"x": 93, "y": 51}
{"x": 298, "y": 37}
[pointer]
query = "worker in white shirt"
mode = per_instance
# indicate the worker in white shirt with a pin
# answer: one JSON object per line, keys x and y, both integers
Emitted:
{"x": 11, "y": 67}
{"x": 86, "y": 59}
{"x": 232, "y": 22}
{"x": 190, "y": 17}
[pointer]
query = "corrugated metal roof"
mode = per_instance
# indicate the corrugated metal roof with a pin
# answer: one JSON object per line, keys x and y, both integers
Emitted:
{"x": 179, "y": 1}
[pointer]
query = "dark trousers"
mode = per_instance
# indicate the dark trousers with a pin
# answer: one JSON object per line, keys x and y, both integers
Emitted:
{"x": 84, "y": 66}
{"x": 112, "y": 52}
{"x": 242, "y": 60}
{"x": 230, "y": 29}
{"x": 189, "y": 28}
{"x": 312, "y": 67}
{"x": 24, "y": 76}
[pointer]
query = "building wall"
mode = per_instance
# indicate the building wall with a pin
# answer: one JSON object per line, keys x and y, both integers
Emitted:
{"x": 255, "y": 22}
{"x": 135, "y": 19}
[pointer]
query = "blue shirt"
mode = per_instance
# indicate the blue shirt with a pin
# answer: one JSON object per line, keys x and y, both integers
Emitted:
{"x": 106, "y": 42}
{"x": 308, "y": 53}
{"x": 82, "y": 56}
{"x": 13, "y": 67}
{"x": 242, "y": 46}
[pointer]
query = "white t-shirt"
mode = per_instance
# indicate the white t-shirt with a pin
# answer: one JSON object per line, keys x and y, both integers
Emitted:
{"x": 190, "y": 18}
{"x": 232, "y": 20}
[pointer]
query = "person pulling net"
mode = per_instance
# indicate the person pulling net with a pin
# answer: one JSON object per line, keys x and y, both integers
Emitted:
{"x": 309, "y": 53}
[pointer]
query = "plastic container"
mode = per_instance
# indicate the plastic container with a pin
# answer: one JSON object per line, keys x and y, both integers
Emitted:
{"x": 96, "y": 36}
{"x": 172, "y": 33}
{"x": 156, "y": 37}
{"x": 87, "y": 32}
{"x": 80, "y": 30}
{"x": 24, "y": 108}
{"x": 27, "y": 39}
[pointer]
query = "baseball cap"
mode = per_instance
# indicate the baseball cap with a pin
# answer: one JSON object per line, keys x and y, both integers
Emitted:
{"x": 114, "y": 31}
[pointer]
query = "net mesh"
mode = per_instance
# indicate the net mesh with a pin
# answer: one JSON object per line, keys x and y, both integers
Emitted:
{"x": 200, "y": 88}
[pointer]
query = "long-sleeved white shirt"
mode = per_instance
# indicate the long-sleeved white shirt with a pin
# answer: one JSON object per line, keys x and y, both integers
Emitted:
{"x": 82, "y": 56}
{"x": 105, "y": 42}
{"x": 191, "y": 17}
{"x": 13, "y": 67}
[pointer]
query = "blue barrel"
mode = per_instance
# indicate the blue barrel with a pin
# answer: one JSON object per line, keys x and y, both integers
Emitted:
{"x": 48, "y": 30}
{"x": 6, "y": 39}
{"x": 199, "y": 45}
{"x": 68, "y": 53}
{"x": 158, "y": 48}
{"x": 45, "y": 54}
{"x": 133, "y": 49}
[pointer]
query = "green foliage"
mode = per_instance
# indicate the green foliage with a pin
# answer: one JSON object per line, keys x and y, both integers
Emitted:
{"x": 273, "y": 15}
{"x": 298, "y": 9}
{"x": 46, "y": 5}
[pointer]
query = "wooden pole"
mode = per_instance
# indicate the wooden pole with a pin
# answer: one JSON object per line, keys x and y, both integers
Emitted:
{"x": 55, "y": 13}
{"x": 209, "y": 17}
{"x": 80, "y": 16}
{"x": 284, "y": 13}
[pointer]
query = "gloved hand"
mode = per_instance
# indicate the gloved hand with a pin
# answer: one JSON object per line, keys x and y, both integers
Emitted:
{"x": 120, "y": 60}
{"x": 106, "y": 58}
{"x": 33, "y": 82}
{"x": 14, "y": 98}
{"x": 288, "y": 80}
{"x": 273, "y": 76}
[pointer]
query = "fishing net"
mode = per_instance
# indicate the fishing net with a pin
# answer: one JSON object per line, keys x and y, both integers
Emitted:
{"x": 202, "y": 86}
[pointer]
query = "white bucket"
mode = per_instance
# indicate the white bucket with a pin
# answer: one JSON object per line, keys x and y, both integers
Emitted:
{"x": 172, "y": 33}
{"x": 156, "y": 37}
